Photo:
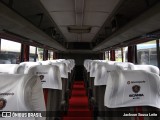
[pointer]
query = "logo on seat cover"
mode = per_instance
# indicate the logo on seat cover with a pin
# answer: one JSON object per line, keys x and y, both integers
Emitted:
{"x": 41, "y": 77}
{"x": 2, "y": 103}
{"x": 128, "y": 82}
{"x": 136, "y": 88}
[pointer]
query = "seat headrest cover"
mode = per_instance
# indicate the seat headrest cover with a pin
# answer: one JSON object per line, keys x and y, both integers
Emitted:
{"x": 149, "y": 68}
{"x": 87, "y": 65}
{"x": 94, "y": 66}
{"x": 125, "y": 65}
{"x": 132, "y": 88}
{"x": 111, "y": 62}
{"x": 86, "y": 62}
{"x": 46, "y": 62}
{"x": 68, "y": 66}
{"x": 9, "y": 68}
{"x": 102, "y": 72}
{"x": 24, "y": 66}
{"x": 63, "y": 69}
{"x": 49, "y": 76}
{"x": 17, "y": 91}
{"x": 30, "y": 63}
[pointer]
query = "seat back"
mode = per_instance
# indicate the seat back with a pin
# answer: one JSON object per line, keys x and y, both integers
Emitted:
{"x": 102, "y": 72}
{"x": 49, "y": 75}
{"x": 93, "y": 68}
{"x": 64, "y": 76}
{"x": 100, "y": 84}
{"x": 51, "y": 81}
{"x": 131, "y": 90}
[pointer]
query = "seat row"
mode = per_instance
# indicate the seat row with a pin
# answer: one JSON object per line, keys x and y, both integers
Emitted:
{"x": 115, "y": 88}
{"x": 37, "y": 86}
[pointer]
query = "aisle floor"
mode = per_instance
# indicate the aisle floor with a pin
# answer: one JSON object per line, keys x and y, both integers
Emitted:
{"x": 78, "y": 104}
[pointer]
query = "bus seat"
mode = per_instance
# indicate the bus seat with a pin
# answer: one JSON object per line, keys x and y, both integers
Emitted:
{"x": 69, "y": 71}
{"x": 132, "y": 92}
{"x": 92, "y": 74}
{"x": 93, "y": 70}
{"x": 64, "y": 76}
{"x": 49, "y": 75}
{"x": 21, "y": 93}
{"x": 100, "y": 81}
{"x": 52, "y": 83}
{"x": 9, "y": 68}
{"x": 88, "y": 68}
{"x": 85, "y": 73}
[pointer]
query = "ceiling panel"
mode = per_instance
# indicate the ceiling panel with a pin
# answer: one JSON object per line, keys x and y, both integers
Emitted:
{"x": 95, "y": 18}
{"x": 100, "y": 5}
{"x": 71, "y": 37}
{"x": 79, "y": 37}
{"x": 94, "y": 30}
{"x": 59, "y": 5}
{"x": 79, "y": 12}
{"x": 64, "y": 29}
{"x": 63, "y": 18}
{"x": 87, "y": 37}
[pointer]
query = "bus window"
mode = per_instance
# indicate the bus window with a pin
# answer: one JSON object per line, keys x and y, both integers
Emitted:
{"x": 107, "y": 55}
{"x": 118, "y": 55}
{"x": 40, "y": 54}
{"x": 146, "y": 53}
{"x": 50, "y": 55}
{"x": 10, "y": 52}
{"x": 125, "y": 52}
{"x": 32, "y": 53}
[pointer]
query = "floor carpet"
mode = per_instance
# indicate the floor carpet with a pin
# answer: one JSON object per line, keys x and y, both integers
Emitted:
{"x": 78, "y": 104}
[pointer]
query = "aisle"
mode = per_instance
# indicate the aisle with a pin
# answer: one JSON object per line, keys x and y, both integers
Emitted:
{"x": 78, "y": 109}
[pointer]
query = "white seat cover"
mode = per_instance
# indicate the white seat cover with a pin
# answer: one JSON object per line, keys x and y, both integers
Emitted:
{"x": 68, "y": 66}
{"x": 111, "y": 62}
{"x": 53, "y": 61}
{"x": 88, "y": 65}
{"x": 104, "y": 61}
{"x": 63, "y": 69}
{"x": 132, "y": 88}
{"x": 46, "y": 62}
{"x": 49, "y": 75}
{"x": 9, "y": 68}
{"x": 86, "y": 62}
{"x": 149, "y": 68}
{"x": 21, "y": 93}
{"x": 72, "y": 63}
{"x": 94, "y": 66}
{"x": 125, "y": 65}
{"x": 102, "y": 73}
{"x": 24, "y": 66}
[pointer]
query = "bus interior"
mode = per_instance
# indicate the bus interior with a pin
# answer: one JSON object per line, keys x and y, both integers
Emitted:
{"x": 79, "y": 59}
